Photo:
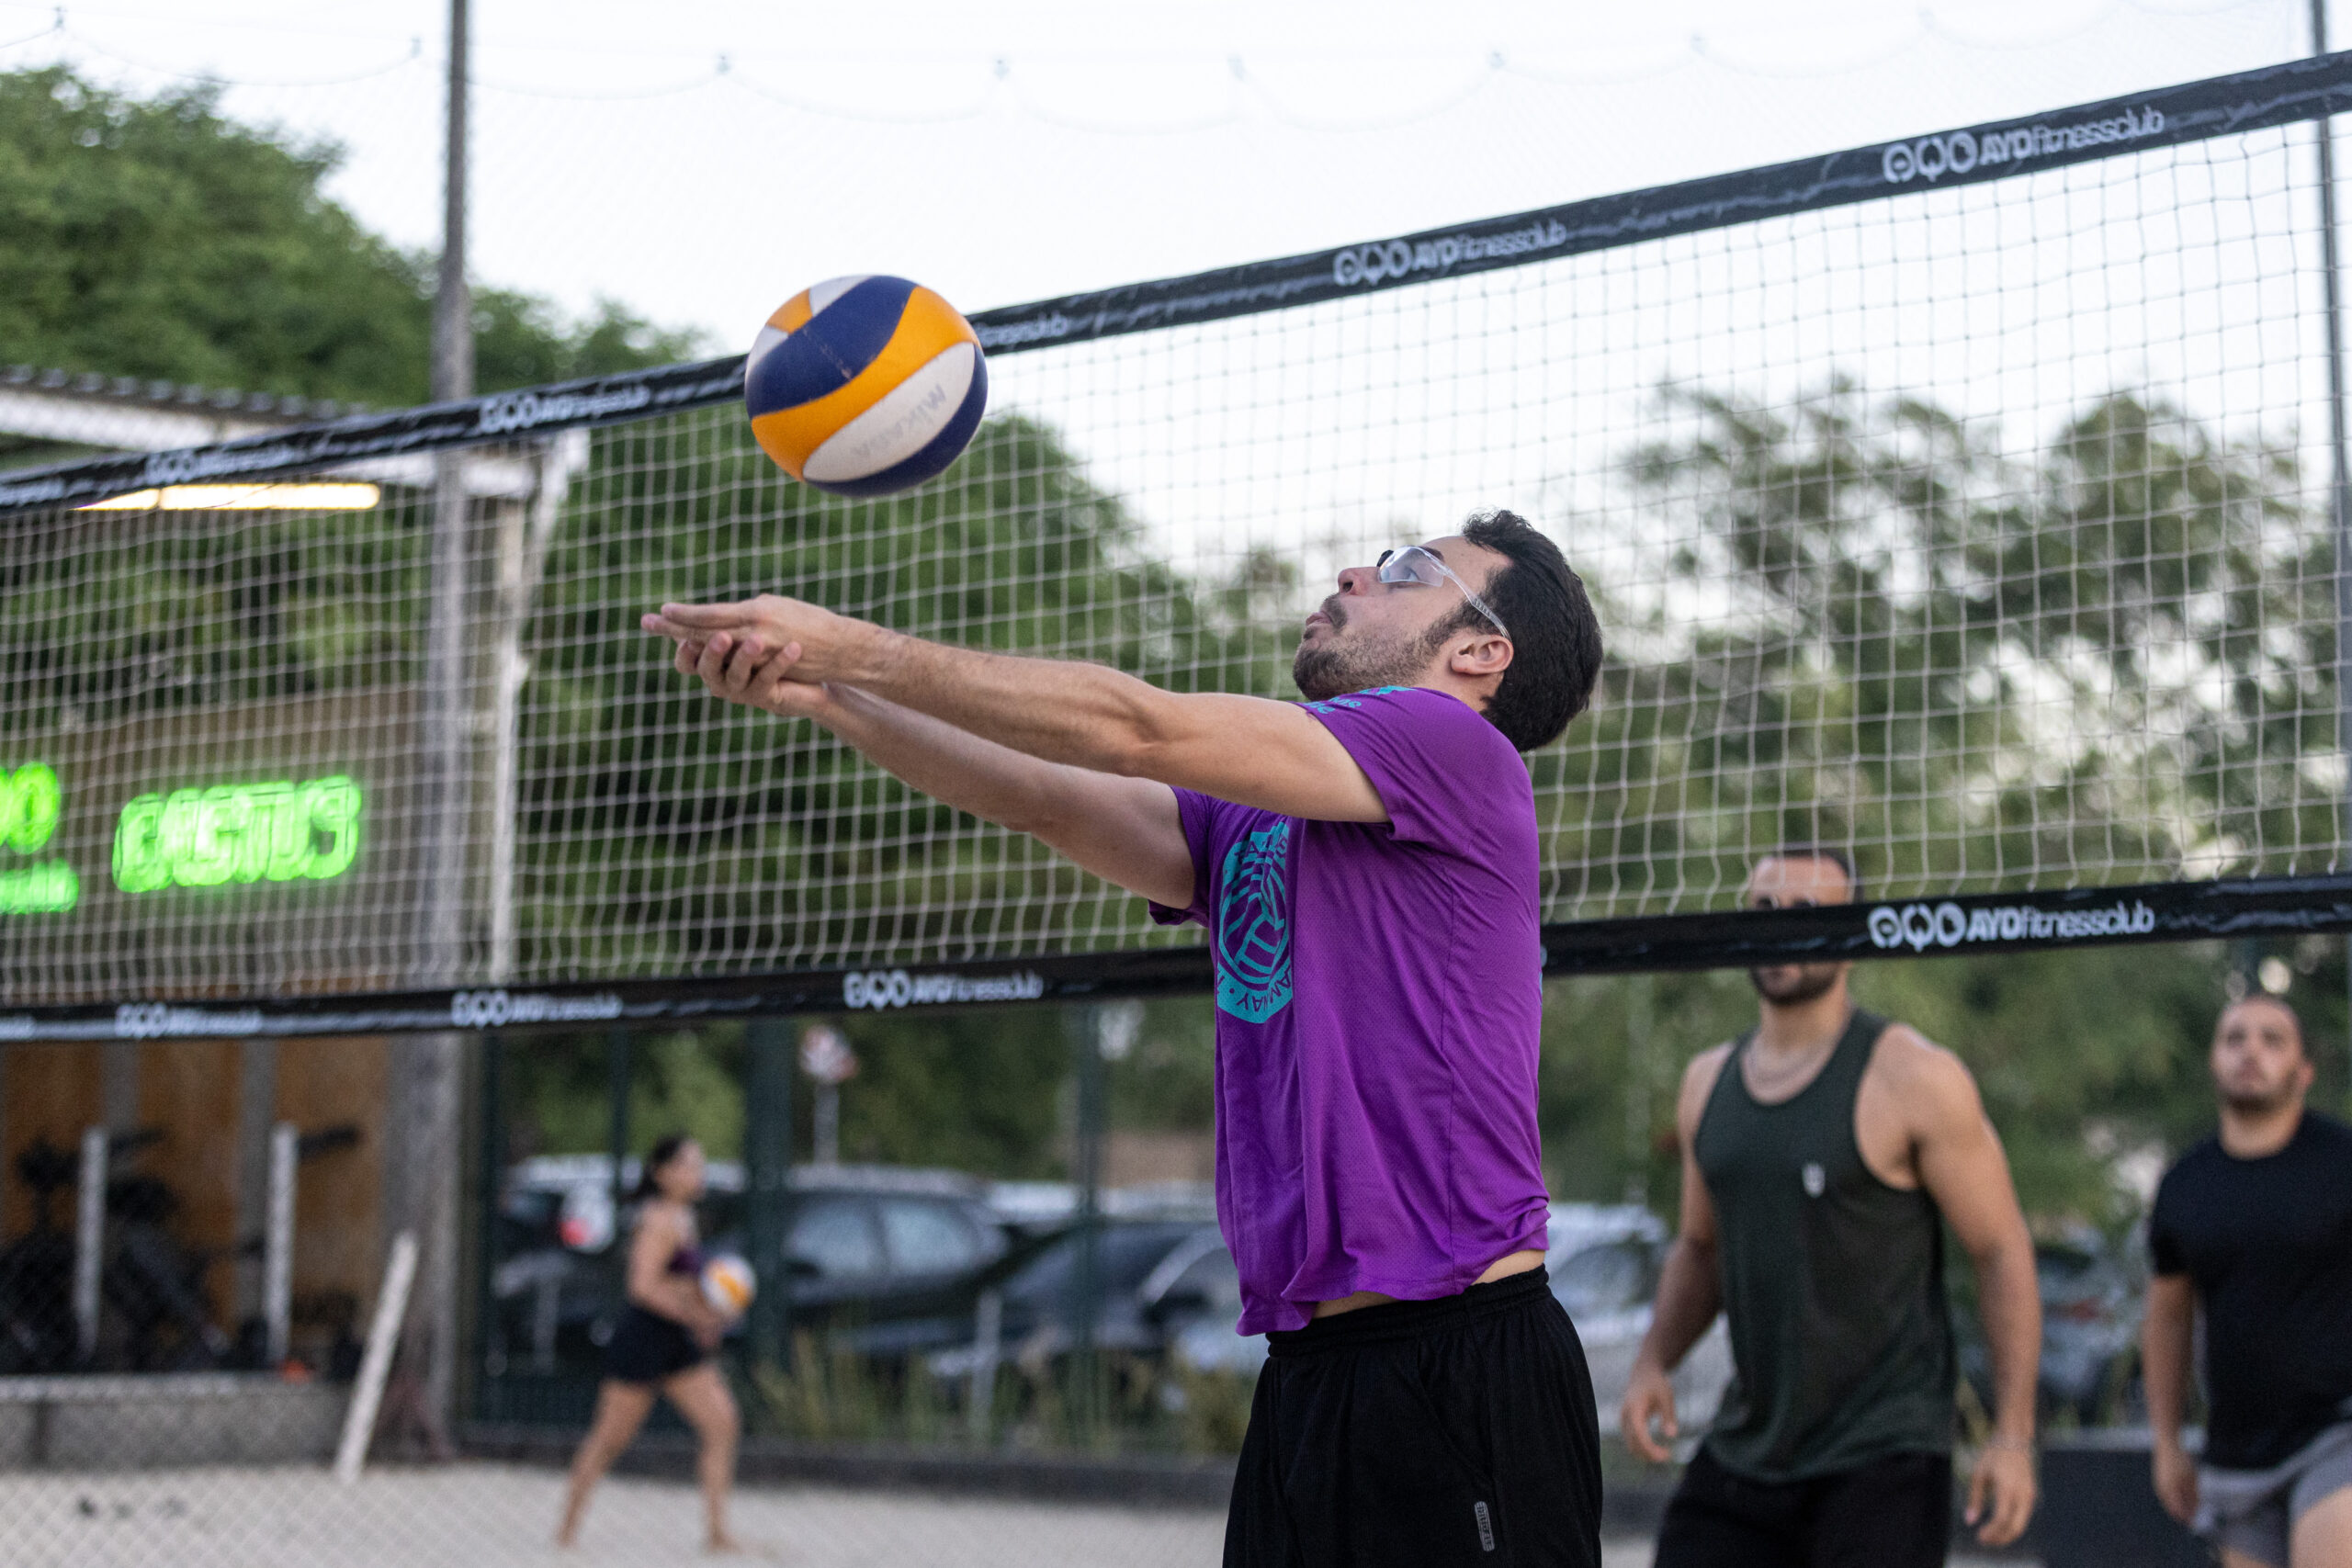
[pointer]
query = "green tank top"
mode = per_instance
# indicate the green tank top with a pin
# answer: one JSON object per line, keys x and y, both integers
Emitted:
{"x": 1833, "y": 1280}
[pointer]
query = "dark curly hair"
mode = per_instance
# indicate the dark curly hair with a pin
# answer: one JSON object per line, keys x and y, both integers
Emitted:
{"x": 1555, "y": 636}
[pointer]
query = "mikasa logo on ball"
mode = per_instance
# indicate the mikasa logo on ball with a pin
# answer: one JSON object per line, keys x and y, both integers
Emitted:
{"x": 862, "y": 449}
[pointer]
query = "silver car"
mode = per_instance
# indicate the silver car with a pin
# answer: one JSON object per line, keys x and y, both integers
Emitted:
{"x": 1604, "y": 1260}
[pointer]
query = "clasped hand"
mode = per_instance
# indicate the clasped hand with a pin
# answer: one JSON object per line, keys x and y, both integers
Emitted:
{"x": 769, "y": 652}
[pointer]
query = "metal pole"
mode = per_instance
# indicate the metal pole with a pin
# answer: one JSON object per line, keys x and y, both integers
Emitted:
{"x": 278, "y": 1242}
{"x": 2340, "y": 486}
{"x": 616, "y": 1076}
{"x": 491, "y": 1329}
{"x": 988, "y": 1340}
{"x": 525, "y": 536}
{"x": 453, "y": 335}
{"x": 442, "y": 770}
{"x": 89, "y": 1238}
{"x": 767, "y": 1151}
{"x": 1639, "y": 1008}
{"x": 827, "y": 1131}
{"x": 256, "y": 1112}
{"x": 1086, "y": 1035}
{"x": 428, "y": 1204}
{"x": 508, "y": 671}
{"x": 376, "y": 1361}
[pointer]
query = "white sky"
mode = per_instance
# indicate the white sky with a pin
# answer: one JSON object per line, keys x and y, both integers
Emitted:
{"x": 1009, "y": 151}
{"x": 1006, "y": 153}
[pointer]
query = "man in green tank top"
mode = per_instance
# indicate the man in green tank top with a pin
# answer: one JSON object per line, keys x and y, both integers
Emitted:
{"x": 1822, "y": 1154}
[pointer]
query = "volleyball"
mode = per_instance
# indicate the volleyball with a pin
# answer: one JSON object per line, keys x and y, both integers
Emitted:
{"x": 728, "y": 1285}
{"x": 865, "y": 386}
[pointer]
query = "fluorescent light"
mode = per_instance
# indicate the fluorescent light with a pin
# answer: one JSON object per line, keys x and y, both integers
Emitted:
{"x": 244, "y": 498}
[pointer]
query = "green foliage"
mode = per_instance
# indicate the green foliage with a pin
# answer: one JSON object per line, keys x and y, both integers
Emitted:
{"x": 156, "y": 238}
{"x": 2113, "y": 660}
{"x": 829, "y": 1394}
{"x": 981, "y": 1092}
{"x": 556, "y": 1099}
{"x": 1615, "y": 1049}
{"x": 661, "y": 831}
{"x": 1212, "y": 1408}
{"x": 976, "y": 1091}
{"x": 1168, "y": 1082}
{"x": 986, "y": 1091}
{"x": 523, "y": 340}
{"x": 1888, "y": 597}
{"x": 2084, "y": 1057}
{"x": 138, "y": 617}
{"x": 1915, "y": 642}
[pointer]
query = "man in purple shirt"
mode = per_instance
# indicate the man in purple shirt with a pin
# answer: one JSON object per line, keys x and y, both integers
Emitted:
{"x": 1366, "y": 863}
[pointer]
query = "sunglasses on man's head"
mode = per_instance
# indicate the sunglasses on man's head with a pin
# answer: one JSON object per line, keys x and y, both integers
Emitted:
{"x": 1415, "y": 567}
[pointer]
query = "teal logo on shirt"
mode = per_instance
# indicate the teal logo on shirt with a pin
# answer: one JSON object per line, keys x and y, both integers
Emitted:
{"x": 1253, "y": 926}
{"x": 1353, "y": 699}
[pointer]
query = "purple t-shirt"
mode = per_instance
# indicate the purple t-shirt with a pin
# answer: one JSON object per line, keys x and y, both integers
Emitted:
{"x": 1379, "y": 994}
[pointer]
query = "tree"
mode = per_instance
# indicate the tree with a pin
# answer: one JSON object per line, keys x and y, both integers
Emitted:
{"x": 659, "y": 831}
{"x": 156, "y": 238}
{"x": 2112, "y": 657}
{"x": 2110, "y": 662}
{"x": 743, "y": 842}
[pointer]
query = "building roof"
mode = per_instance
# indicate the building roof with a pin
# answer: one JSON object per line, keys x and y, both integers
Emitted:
{"x": 61, "y": 416}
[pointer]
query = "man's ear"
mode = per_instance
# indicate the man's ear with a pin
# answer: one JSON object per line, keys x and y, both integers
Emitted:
{"x": 1484, "y": 654}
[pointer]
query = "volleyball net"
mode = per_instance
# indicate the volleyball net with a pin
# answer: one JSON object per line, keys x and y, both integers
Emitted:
{"x": 1963, "y": 501}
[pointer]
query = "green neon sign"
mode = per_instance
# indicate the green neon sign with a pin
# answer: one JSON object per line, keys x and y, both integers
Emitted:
{"x": 49, "y": 887}
{"x": 31, "y": 803}
{"x": 205, "y": 838}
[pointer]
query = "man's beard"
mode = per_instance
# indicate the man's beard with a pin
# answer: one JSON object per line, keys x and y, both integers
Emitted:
{"x": 2268, "y": 1104}
{"x": 1813, "y": 981}
{"x": 1333, "y": 670}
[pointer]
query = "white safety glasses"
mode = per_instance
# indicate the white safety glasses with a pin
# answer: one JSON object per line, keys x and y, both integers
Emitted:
{"x": 1415, "y": 565}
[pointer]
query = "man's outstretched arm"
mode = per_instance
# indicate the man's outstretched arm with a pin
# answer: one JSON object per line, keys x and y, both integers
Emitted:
{"x": 1250, "y": 751}
{"x": 1125, "y": 831}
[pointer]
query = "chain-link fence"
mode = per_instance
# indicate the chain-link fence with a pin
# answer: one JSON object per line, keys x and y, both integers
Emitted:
{"x": 220, "y": 1293}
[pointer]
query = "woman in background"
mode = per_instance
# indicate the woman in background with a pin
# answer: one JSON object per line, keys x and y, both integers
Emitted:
{"x": 662, "y": 1346}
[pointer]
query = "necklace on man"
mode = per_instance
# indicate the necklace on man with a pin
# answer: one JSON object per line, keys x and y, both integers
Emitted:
{"x": 1768, "y": 1083}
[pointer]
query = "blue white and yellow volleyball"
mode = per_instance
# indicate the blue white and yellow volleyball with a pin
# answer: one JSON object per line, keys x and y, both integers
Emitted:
{"x": 865, "y": 386}
{"x": 728, "y": 1285}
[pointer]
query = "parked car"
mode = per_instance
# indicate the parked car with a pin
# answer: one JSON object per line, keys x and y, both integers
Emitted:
{"x": 888, "y": 1260}
{"x": 1169, "y": 1288}
{"x": 2092, "y": 1298}
{"x": 1163, "y": 1287}
{"x": 1045, "y": 1209}
{"x": 1604, "y": 1260}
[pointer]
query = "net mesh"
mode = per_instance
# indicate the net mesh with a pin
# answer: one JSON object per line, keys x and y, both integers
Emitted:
{"x": 1983, "y": 529}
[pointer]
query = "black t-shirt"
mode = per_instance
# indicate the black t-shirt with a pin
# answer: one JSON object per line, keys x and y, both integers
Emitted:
{"x": 2268, "y": 1243}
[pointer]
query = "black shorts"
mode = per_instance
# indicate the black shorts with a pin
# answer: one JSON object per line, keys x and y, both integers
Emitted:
{"x": 1890, "y": 1513}
{"x": 1423, "y": 1433}
{"x": 648, "y": 1348}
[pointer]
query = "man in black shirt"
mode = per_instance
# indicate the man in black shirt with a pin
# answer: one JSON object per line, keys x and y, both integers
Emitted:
{"x": 2253, "y": 1227}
